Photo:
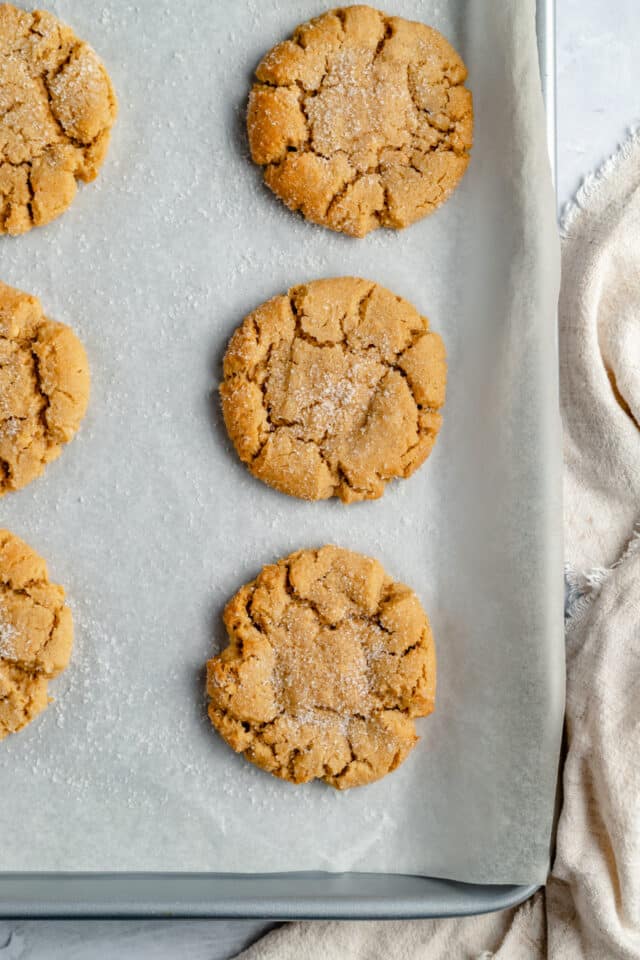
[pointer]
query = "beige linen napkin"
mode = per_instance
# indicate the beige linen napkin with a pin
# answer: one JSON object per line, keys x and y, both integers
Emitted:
{"x": 591, "y": 905}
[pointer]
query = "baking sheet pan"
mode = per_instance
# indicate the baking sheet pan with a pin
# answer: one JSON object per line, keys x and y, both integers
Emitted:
{"x": 105, "y": 286}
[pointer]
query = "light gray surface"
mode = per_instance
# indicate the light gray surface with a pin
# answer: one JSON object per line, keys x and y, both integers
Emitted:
{"x": 598, "y": 81}
{"x": 113, "y": 940}
{"x": 151, "y": 523}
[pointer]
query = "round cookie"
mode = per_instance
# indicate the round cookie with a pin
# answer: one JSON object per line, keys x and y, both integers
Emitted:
{"x": 329, "y": 662}
{"x": 36, "y": 633}
{"x": 361, "y": 120}
{"x": 57, "y": 107}
{"x": 334, "y": 389}
{"x": 44, "y": 388}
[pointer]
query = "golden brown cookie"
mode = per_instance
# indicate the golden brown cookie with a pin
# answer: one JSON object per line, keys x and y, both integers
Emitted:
{"x": 57, "y": 107}
{"x": 361, "y": 120}
{"x": 329, "y": 662}
{"x": 36, "y": 633}
{"x": 44, "y": 388}
{"x": 334, "y": 389}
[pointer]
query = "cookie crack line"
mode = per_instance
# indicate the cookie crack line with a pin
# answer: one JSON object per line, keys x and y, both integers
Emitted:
{"x": 32, "y": 194}
{"x": 41, "y": 391}
{"x": 6, "y": 468}
{"x": 50, "y": 76}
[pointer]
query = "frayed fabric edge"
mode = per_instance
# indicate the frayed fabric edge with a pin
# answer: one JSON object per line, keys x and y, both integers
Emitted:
{"x": 593, "y": 182}
{"x": 583, "y": 588}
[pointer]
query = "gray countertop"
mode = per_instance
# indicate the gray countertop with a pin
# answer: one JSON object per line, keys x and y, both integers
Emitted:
{"x": 598, "y": 76}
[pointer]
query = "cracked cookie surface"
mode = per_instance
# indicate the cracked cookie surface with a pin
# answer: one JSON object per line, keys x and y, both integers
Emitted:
{"x": 57, "y": 107}
{"x": 36, "y": 633}
{"x": 361, "y": 120}
{"x": 44, "y": 388}
{"x": 334, "y": 389}
{"x": 329, "y": 661}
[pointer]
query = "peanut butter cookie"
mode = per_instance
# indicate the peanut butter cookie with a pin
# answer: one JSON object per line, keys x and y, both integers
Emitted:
{"x": 36, "y": 633}
{"x": 329, "y": 662}
{"x": 361, "y": 120}
{"x": 334, "y": 389}
{"x": 44, "y": 388}
{"x": 57, "y": 107}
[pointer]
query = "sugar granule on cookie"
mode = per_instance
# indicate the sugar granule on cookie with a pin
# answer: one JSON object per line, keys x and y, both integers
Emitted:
{"x": 57, "y": 107}
{"x": 328, "y": 664}
{"x": 361, "y": 120}
{"x": 36, "y": 633}
{"x": 44, "y": 388}
{"x": 334, "y": 389}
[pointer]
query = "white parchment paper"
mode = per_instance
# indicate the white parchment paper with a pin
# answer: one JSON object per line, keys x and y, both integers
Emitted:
{"x": 151, "y": 522}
